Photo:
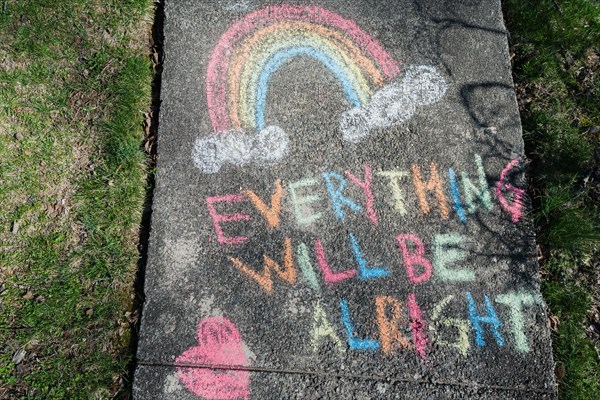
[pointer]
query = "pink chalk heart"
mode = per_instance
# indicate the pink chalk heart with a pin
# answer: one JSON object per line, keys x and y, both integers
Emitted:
{"x": 220, "y": 345}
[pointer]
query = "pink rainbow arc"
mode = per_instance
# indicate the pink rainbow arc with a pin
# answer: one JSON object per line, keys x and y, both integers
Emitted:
{"x": 216, "y": 76}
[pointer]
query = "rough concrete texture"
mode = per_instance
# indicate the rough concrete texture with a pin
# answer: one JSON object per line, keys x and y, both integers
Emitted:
{"x": 339, "y": 208}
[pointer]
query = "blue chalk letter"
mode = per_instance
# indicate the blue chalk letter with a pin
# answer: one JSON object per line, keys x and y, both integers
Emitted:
{"x": 460, "y": 211}
{"x": 490, "y": 318}
{"x": 338, "y": 201}
{"x": 364, "y": 272}
{"x": 354, "y": 342}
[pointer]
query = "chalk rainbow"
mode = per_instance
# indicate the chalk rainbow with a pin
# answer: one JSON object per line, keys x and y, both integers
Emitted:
{"x": 263, "y": 41}
{"x": 247, "y": 55}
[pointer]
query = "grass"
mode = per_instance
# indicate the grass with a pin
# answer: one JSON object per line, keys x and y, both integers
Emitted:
{"x": 556, "y": 47}
{"x": 74, "y": 83}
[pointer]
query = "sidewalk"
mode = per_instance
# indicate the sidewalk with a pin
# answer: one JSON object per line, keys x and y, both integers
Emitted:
{"x": 340, "y": 208}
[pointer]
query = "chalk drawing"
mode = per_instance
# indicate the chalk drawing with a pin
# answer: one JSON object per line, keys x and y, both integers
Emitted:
{"x": 395, "y": 103}
{"x": 394, "y": 177}
{"x": 364, "y": 271}
{"x": 516, "y": 301}
{"x": 302, "y": 210}
{"x": 330, "y": 276}
{"x": 322, "y": 329}
{"x": 219, "y": 343}
{"x": 336, "y": 195}
{"x": 365, "y": 186}
{"x": 306, "y": 266}
{"x": 446, "y": 251}
{"x": 413, "y": 258}
{"x": 473, "y": 192}
{"x": 514, "y": 208}
{"x": 454, "y": 189}
{"x": 417, "y": 326}
{"x": 400, "y": 325}
{"x": 434, "y": 183}
{"x": 247, "y": 45}
{"x": 389, "y": 334}
{"x": 287, "y": 273}
{"x": 271, "y": 213}
{"x": 218, "y": 219}
{"x": 239, "y": 148}
{"x": 259, "y": 44}
{"x": 490, "y": 318}
{"x": 355, "y": 342}
{"x": 462, "y": 325}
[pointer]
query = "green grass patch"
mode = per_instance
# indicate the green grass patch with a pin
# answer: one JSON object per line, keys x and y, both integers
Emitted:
{"x": 74, "y": 84}
{"x": 556, "y": 47}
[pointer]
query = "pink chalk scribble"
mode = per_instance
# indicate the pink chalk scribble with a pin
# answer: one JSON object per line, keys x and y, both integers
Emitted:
{"x": 219, "y": 344}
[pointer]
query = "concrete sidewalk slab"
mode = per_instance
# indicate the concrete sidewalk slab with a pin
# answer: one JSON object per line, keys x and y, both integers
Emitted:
{"x": 339, "y": 208}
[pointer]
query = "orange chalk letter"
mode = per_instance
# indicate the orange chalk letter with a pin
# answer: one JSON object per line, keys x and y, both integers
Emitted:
{"x": 288, "y": 274}
{"x": 272, "y": 213}
{"x": 389, "y": 334}
{"x": 434, "y": 183}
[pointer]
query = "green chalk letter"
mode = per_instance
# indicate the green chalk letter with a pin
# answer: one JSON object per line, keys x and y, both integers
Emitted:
{"x": 322, "y": 328}
{"x": 446, "y": 252}
{"x": 302, "y": 210}
{"x": 515, "y": 301}
{"x": 472, "y": 192}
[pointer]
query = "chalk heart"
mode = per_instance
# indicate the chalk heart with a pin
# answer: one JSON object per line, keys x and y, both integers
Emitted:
{"x": 219, "y": 344}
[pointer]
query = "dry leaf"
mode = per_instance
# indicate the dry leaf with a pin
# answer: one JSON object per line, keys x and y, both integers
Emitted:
{"x": 560, "y": 372}
{"x": 18, "y": 356}
{"x": 553, "y": 322}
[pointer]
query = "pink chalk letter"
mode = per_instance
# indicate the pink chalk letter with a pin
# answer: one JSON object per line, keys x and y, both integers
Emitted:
{"x": 414, "y": 257}
{"x": 417, "y": 326}
{"x": 220, "y": 218}
{"x": 330, "y": 276}
{"x": 219, "y": 344}
{"x": 365, "y": 186}
{"x": 516, "y": 208}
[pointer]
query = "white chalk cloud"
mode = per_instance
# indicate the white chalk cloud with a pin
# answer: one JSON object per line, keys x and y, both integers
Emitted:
{"x": 237, "y": 147}
{"x": 397, "y": 102}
